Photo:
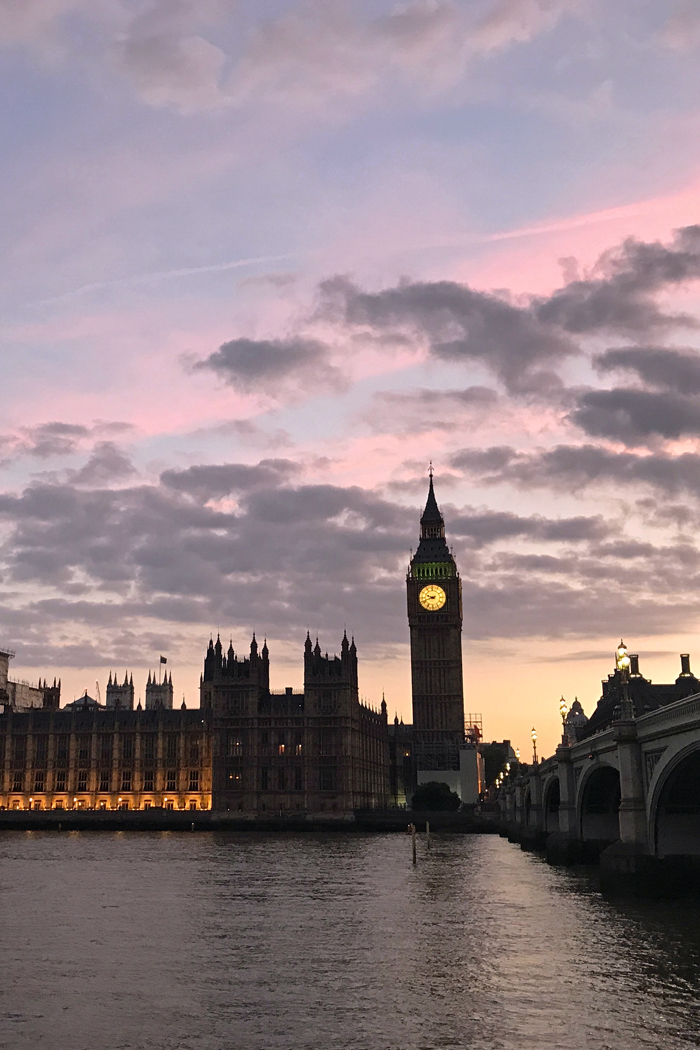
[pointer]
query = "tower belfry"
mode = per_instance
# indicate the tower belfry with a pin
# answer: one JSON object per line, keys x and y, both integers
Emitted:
{"x": 434, "y": 592}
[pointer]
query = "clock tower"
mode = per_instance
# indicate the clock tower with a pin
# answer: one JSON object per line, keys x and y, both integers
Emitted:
{"x": 434, "y": 592}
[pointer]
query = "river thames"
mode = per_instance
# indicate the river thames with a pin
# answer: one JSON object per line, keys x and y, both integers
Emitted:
{"x": 251, "y": 942}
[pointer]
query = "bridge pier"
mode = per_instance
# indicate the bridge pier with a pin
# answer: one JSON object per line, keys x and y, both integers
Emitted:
{"x": 632, "y": 813}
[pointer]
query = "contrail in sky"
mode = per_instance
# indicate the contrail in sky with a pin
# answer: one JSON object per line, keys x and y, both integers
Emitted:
{"x": 163, "y": 275}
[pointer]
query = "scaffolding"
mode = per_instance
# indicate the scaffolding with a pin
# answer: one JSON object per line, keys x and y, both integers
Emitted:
{"x": 473, "y": 728}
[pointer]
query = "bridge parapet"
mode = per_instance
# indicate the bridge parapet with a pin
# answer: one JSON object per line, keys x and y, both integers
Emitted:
{"x": 672, "y": 717}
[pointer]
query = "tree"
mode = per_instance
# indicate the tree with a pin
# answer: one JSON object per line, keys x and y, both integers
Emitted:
{"x": 435, "y": 796}
{"x": 495, "y": 758}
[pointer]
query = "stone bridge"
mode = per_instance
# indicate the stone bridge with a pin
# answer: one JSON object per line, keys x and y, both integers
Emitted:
{"x": 628, "y": 794}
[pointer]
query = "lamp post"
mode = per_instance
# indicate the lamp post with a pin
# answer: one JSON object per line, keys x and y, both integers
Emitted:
{"x": 533, "y": 735}
{"x": 563, "y": 711}
{"x": 622, "y": 661}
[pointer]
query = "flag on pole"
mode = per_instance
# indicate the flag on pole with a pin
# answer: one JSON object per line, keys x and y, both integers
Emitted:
{"x": 164, "y": 659}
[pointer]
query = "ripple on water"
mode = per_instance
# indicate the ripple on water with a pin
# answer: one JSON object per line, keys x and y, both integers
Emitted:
{"x": 333, "y": 942}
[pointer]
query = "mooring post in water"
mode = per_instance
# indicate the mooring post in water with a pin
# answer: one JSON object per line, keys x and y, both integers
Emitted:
{"x": 427, "y": 833}
{"x": 413, "y": 841}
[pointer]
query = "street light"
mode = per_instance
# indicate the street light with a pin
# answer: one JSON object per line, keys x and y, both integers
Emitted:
{"x": 533, "y": 735}
{"x": 563, "y": 710}
{"x": 517, "y": 753}
{"x": 623, "y": 662}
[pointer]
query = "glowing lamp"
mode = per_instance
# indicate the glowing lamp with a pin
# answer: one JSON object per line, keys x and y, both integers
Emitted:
{"x": 621, "y": 658}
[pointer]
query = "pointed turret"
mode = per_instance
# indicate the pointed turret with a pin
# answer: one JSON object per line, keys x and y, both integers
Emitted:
{"x": 253, "y": 646}
{"x": 432, "y": 523}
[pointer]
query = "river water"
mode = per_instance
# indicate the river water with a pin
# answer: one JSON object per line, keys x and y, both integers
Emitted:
{"x": 322, "y": 942}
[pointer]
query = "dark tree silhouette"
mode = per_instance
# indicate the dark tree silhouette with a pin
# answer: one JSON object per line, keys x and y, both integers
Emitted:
{"x": 435, "y": 796}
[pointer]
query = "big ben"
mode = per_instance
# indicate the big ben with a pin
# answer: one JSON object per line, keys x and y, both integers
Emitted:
{"x": 434, "y": 592}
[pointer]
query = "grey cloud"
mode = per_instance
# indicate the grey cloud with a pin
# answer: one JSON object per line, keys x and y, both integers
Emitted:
{"x": 525, "y": 343}
{"x": 459, "y": 324}
{"x": 633, "y": 416}
{"x": 658, "y": 366}
{"x": 428, "y": 409}
{"x": 214, "y": 481}
{"x": 573, "y": 467}
{"x": 107, "y": 464}
{"x": 619, "y": 296}
{"x": 269, "y": 366}
{"x": 295, "y": 555}
{"x": 54, "y": 439}
{"x": 490, "y": 526}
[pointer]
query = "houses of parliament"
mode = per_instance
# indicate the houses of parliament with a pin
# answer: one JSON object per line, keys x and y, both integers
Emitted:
{"x": 249, "y": 749}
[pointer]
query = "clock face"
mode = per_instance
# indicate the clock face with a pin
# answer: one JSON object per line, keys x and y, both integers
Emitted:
{"x": 432, "y": 597}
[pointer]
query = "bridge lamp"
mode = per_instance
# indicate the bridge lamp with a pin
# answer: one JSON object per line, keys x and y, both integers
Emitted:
{"x": 621, "y": 658}
{"x": 533, "y": 736}
{"x": 517, "y": 753}
{"x": 507, "y": 767}
{"x": 623, "y": 662}
{"x": 563, "y": 709}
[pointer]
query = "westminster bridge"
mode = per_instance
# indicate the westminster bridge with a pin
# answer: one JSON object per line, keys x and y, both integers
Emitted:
{"x": 627, "y": 793}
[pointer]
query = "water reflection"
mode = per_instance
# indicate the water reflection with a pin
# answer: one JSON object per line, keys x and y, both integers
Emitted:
{"x": 251, "y": 942}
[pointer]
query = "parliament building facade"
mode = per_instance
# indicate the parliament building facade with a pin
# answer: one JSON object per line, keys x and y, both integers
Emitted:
{"x": 247, "y": 749}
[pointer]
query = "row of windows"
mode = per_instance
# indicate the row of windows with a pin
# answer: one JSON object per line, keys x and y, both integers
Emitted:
{"x": 283, "y": 780}
{"x": 128, "y": 747}
{"x": 81, "y": 803}
{"x": 127, "y": 781}
{"x": 281, "y": 743}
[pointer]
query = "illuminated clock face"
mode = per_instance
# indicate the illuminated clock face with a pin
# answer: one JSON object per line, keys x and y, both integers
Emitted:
{"x": 432, "y": 597}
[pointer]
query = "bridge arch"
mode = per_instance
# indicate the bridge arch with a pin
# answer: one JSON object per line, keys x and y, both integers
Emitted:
{"x": 674, "y": 805}
{"x": 599, "y": 804}
{"x": 551, "y": 800}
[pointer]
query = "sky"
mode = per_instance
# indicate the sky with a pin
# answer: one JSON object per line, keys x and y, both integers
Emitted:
{"x": 263, "y": 262}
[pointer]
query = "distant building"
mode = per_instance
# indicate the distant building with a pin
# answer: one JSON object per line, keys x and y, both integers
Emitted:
{"x": 246, "y": 749}
{"x": 120, "y": 697}
{"x": 643, "y": 694}
{"x": 22, "y": 695}
{"x": 318, "y": 751}
{"x": 159, "y": 694}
